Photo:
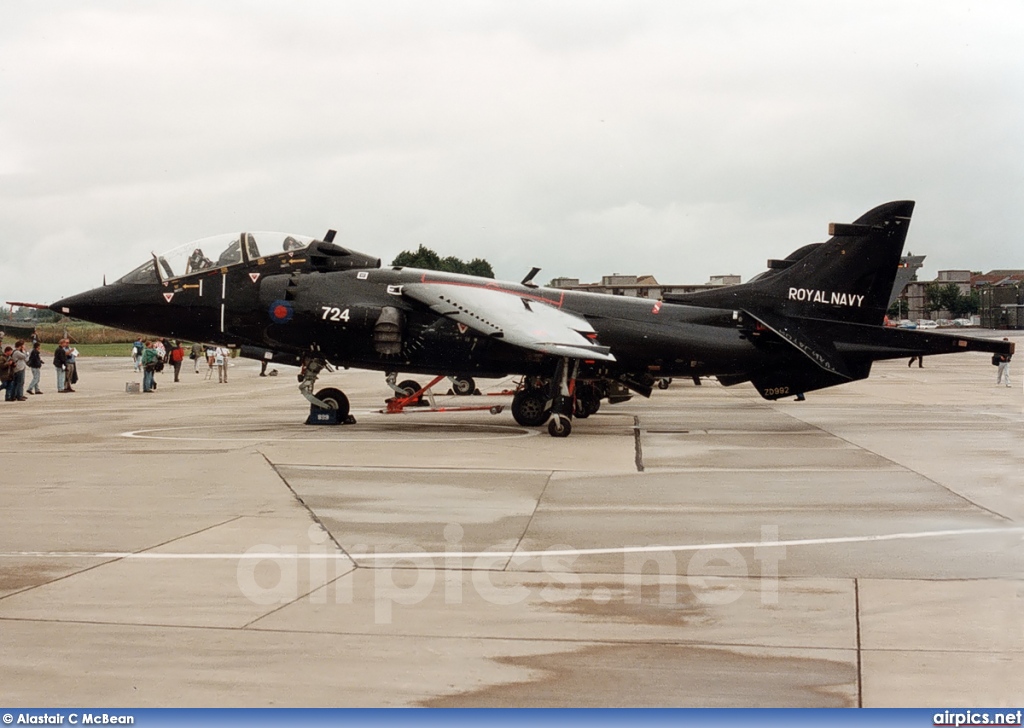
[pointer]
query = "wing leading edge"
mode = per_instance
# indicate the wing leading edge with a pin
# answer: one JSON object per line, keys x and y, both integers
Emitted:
{"x": 516, "y": 319}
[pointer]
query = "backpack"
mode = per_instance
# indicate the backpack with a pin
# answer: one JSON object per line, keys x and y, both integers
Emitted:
{"x": 177, "y": 354}
{"x": 995, "y": 360}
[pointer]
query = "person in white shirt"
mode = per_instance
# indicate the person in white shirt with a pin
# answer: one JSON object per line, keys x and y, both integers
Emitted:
{"x": 220, "y": 358}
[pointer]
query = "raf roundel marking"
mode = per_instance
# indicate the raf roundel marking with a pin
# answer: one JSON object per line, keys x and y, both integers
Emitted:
{"x": 281, "y": 312}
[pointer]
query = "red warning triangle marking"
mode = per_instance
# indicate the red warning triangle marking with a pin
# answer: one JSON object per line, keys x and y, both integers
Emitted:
{"x": 168, "y": 297}
{"x": 254, "y": 276}
{"x": 462, "y": 328}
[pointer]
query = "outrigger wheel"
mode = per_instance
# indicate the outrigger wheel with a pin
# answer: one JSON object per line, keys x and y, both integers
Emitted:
{"x": 559, "y": 426}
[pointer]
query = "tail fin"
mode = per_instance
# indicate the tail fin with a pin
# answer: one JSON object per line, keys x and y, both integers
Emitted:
{"x": 847, "y": 278}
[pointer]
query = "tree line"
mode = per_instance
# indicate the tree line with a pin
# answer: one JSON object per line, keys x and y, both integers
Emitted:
{"x": 939, "y": 297}
{"x": 429, "y": 260}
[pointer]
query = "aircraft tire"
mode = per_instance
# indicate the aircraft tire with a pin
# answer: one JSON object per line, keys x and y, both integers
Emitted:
{"x": 559, "y": 426}
{"x": 528, "y": 408}
{"x": 463, "y": 386}
{"x": 664, "y": 382}
{"x": 335, "y": 400}
{"x": 409, "y": 386}
{"x": 588, "y": 401}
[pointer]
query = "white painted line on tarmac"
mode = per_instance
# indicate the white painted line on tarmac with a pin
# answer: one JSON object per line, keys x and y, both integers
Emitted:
{"x": 498, "y": 432}
{"x": 290, "y": 553}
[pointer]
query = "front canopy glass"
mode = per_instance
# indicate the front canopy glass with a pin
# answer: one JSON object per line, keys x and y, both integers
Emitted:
{"x": 217, "y": 251}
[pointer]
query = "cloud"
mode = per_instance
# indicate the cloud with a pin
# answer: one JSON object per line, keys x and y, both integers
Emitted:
{"x": 586, "y": 138}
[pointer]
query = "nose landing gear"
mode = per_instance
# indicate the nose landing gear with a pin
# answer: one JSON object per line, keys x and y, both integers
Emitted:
{"x": 329, "y": 406}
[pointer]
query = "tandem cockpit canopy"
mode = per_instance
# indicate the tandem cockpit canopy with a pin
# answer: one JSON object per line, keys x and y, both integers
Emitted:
{"x": 217, "y": 251}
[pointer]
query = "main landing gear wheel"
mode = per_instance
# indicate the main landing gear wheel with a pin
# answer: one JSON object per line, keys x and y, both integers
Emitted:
{"x": 529, "y": 407}
{"x": 559, "y": 426}
{"x": 335, "y": 399}
{"x": 586, "y": 406}
{"x": 463, "y": 386}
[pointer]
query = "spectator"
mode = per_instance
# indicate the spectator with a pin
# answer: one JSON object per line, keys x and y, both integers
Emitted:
{"x": 70, "y": 367}
{"x": 60, "y": 360}
{"x": 20, "y": 359}
{"x": 221, "y": 358}
{"x": 176, "y": 356}
{"x": 196, "y": 355}
{"x": 137, "y": 348}
{"x": 7, "y": 373}
{"x": 150, "y": 359}
{"x": 1003, "y": 372}
{"x": 35, "y": 364}
{"x": 211, "y": 358}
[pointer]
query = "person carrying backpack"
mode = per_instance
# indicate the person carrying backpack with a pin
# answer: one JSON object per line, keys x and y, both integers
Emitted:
{"x": 150, "y": 359}
{"x": 176, "y": 356}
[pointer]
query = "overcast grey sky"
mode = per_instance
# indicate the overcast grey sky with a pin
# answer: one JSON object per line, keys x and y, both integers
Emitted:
{"x": 678, "y": 138}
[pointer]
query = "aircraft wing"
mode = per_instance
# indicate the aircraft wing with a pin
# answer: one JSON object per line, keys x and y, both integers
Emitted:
{"x": 518, "y": 319}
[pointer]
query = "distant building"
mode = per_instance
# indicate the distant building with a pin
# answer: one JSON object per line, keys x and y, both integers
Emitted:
{"x": 645, "y": 286}
{"x": 962, "y": 279}
{"x": 729, "y": 280}
{"x": 997, "y": 278}
{"x": 953, "y": 276}
{"x": 1002, "y": 298}
{"x": 1001, "y": 306}
{"x": 1001, "y": 294}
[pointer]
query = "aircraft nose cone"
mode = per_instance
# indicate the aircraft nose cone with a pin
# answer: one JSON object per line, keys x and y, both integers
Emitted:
{"x": 104, "y": 305}
{"x": 76, "y": 306}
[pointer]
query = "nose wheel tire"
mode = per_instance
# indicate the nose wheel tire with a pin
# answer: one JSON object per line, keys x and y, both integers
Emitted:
{"x": 335, "y": 399}
{"x": 463, "y": 386}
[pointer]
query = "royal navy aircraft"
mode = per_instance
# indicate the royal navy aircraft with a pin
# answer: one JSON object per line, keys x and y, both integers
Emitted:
{"x": 812, "y": 320}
